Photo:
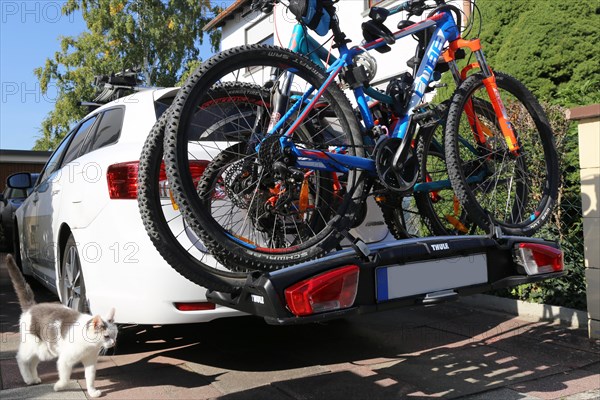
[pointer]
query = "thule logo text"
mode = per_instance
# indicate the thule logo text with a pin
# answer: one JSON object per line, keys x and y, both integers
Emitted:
{"x": 440, "y": 246}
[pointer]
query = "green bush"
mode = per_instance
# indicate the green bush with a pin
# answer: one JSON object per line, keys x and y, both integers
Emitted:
{"x": 549, "y": 45}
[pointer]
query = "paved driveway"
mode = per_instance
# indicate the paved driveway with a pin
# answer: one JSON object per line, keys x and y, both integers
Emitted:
{"x": 449, "y": 351}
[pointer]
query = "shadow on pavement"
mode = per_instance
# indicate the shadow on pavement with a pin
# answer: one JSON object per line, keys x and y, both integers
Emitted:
{"x": 449, "y": 351}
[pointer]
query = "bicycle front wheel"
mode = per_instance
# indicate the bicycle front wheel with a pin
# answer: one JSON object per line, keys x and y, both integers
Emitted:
{"x": 254, "y": 207}
{"x": 497, "y": 187}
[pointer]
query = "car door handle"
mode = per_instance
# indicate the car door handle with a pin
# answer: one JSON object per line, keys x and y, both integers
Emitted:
{"x": 55, "y": 192}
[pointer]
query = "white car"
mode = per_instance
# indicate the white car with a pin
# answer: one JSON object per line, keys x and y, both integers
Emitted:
{"x": 80, "y": 232}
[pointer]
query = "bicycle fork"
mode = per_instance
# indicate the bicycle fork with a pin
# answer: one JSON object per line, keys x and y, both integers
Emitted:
{"x": 492, "y": 90}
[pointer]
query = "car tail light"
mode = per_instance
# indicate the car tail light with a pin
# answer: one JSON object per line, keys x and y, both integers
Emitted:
{"x": 199, "y": 306}
{"x": 539, "y": 258}
{"x": 197, "y": 168}
{"x": 332, "y": 290}
{"x": 123, "y": 178}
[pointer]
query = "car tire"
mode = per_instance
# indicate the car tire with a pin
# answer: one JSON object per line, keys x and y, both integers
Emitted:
{"x": 72, "y": 284}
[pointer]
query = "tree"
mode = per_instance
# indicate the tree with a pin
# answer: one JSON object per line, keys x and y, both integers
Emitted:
{"x": 161, "y": 37}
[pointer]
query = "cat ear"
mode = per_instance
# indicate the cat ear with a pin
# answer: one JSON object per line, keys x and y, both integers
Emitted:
{"x": 110, "y": 317}
{"x": 97, "y": 322}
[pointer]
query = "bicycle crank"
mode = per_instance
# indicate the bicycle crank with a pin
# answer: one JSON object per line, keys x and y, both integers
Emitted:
{"x": 399, "y": 178}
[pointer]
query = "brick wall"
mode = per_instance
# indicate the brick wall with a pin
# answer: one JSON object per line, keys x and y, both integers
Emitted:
{"x": 7, "y": 169}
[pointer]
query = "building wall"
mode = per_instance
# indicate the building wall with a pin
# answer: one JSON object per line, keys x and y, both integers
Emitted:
{"x": 7, "y": 169}
{"x": 588, "y": 118}
{"x": 351, "y": 14}
{"x": 13, "y": 161}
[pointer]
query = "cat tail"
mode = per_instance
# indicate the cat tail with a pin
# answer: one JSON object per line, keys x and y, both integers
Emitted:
{"x": 22, "y": 288}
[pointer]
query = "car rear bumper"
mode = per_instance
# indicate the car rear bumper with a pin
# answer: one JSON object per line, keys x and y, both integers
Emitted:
{"x": 122, "y": 269}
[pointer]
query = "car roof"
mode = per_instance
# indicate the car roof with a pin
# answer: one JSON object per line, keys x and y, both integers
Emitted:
{"x": 138, "y": 98}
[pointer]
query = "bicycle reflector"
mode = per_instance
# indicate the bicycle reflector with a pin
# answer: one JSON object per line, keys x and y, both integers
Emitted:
{"x": 539, "y": 258}
{"x": 331, "y": 290}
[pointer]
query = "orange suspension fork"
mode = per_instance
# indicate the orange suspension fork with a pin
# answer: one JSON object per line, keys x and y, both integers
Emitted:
{"x": 500, "y": 110}
{"x": 493, "y": 93}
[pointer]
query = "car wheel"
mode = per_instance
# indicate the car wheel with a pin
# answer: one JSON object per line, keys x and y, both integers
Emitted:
{"x": 72, "y": 286}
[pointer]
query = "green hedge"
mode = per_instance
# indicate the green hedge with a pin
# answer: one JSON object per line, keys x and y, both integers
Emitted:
{"x": 551, "y": 46}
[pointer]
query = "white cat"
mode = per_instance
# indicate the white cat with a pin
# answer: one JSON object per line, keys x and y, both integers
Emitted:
{"x": 50, "y": 331}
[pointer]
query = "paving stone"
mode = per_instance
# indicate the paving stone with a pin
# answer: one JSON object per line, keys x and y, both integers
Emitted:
{"x": 589, "y": 395}
{"x": 345, "y": 385}
{"x": 459, "y": 371}
{"x": 447, "y": 350}
{"x": 262, "y": 392}
{"x": 560, "y": 385}
{"x": 9, "y": 344}
{"x": 43, "y": 392}
{"x": 237, "y": 381}
{"x": 168, "y": 382}
{"x": 500, "y": 394}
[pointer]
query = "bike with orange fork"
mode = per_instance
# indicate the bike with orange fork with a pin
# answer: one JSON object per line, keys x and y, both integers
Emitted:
{"x": 497, "y": 145}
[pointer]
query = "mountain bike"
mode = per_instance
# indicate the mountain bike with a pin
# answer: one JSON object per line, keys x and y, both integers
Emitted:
{"x": 169, "y": 231}
{"x": 290, "y": 190}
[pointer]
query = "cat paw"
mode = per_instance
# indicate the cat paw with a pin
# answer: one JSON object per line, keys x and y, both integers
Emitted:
{"x": 34, "y": 381}
{"x": 58, "y": 386}
{"x": 94, "y": 393}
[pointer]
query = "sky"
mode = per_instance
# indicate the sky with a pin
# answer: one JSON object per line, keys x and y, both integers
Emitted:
{"x": 30, "y": 32}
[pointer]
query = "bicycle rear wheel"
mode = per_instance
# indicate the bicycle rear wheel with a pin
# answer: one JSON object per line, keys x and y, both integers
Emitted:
{"x": 497, "y": 188}
{"x": 254, "y": 208}
{"x": 436, "y": 200}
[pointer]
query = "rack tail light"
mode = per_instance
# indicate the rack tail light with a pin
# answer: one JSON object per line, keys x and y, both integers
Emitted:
{"x": 332, "y": 290}
{"x": 539, "y": 258}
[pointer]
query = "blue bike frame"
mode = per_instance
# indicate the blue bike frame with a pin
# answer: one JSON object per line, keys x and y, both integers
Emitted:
{"x": 445, "y": 31}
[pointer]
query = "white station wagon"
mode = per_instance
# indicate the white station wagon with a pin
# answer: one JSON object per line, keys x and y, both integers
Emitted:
{"x": 80, "y": 232}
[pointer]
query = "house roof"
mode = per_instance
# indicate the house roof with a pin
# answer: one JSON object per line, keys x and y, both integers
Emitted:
{"x": 24, "y": 156}
{"x": 226, "y": 14}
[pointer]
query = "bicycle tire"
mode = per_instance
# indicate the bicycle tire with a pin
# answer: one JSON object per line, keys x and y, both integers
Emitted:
{"x": 239, "y": 251}
{"x": 165, "y": 239}
{"x": 441, "y": 211}
{"x": 532, "y": 177}
{"x": 401, "y": 216}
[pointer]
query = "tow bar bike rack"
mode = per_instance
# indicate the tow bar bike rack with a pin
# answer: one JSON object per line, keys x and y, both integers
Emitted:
{"x": 390, "y": 275}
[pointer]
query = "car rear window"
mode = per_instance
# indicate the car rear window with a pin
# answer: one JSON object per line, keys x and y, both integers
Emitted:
{"x": 109, "y": 130}
{"x": 161, "y": 105}
{"x": 77, "y": 142}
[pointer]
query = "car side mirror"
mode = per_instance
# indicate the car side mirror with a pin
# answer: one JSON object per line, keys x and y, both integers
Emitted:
{"x": 21, "y": 180}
